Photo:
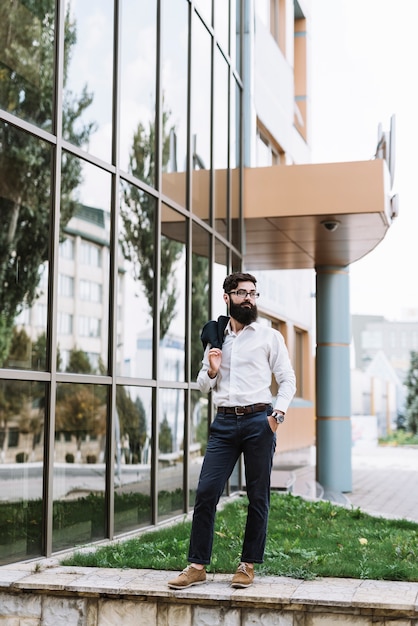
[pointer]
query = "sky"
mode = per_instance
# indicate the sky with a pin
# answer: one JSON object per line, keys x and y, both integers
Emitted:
{"x": 364, "y": 70}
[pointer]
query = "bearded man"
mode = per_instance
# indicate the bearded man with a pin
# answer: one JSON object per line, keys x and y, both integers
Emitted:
{"x": 239, "y": 373}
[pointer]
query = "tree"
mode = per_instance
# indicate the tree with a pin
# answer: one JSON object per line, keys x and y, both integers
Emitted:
{"x": 411, "y": 382}
{"x": 27, "y": 37}
{"x": 81, "y": 407}
{"x": 133, "y": 422}
{"x": 200, "y": 291}
{"x": 80, "y": 411}
{"x": 165, "y": 439}
{"x": 138, "y": 214}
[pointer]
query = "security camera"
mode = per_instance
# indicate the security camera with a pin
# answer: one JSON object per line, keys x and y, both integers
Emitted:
{"x": 330, "y": 225}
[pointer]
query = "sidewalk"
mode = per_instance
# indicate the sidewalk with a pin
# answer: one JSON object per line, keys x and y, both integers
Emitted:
{"x": 385, "y": 481}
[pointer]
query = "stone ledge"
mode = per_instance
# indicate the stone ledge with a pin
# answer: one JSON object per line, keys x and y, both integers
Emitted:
{"x": 76, "y": 588}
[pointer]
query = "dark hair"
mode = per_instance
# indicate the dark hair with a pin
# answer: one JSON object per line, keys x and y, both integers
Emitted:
{"x": 231, "y": 281}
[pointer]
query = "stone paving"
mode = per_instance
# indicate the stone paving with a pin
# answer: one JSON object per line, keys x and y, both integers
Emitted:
{"x": 385, "y": 482}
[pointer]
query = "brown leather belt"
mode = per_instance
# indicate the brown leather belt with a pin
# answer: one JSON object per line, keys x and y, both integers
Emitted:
{"x": 243, "y": 410}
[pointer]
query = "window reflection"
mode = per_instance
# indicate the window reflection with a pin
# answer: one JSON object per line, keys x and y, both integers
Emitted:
{"x": 79, "y": 461}
{"x": 170, "y": 455}
{"x": 174, "y": 39}
{"x": 200, "y": 294}
{"x": 222, "y": 23}
{"x": 133, "y": 458}
{"x": 83, "y": 267}
{"x": 172, "y": 295}
{"x": 136, "y": 284}
{"x": 236, "y": 30}
{"x": 22, "y": 419}
{"x": 235, "y": 162}
{"x": 199, "y": 429}
{"x": 201, "y": 119}
{"x": 89, "y": 73}
{"x": 220, "y": 272}
{"x": 205, "y": 9}
{"x": 139, "y": 60}
{"x": 220, "y": 142}
{"x": 27, "y": 42}
{"x": 25, "y": 196}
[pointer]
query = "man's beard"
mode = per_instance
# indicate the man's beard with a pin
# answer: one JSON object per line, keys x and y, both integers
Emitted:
{"x": 244, "y": 314}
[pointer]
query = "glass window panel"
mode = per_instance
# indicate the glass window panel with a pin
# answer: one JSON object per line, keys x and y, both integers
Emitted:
{"x": 220, "y": 272}
{"x": 138, "y": 80}
{"x": 236, "y": 263}
{"x": 22, "y": 422}
{"x": 85, "y": 210}
{"x": 222, "y": 23}
{"x": 201, "y": 120}
{"x": 133, "y": 458}
{"x": 174, "y": 25}
{"x": 235, "y": 51}
{"x": 199, "y": 432}
{"x": 79, "y": 464}
{"x": 205, "y": 10}
{"x": 88, "y": 75}
{"x": 200, "y": 294}
{"x": 136, "y": 279}
{"x": 170, "y": 452}
{"x": 262, "y": 10}
{"x": 235, "y": 163}
{"x": 220, "y": 143}
{"x": 27, "y": 43}
{"x": 25, "y": 200}
{"x": 172, "y": 295}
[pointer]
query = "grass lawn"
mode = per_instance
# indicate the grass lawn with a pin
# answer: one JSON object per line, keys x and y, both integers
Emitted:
{"x": 306, "y": 539}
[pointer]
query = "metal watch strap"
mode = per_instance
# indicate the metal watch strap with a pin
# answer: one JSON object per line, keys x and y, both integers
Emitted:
{"x": 279, "y": 417}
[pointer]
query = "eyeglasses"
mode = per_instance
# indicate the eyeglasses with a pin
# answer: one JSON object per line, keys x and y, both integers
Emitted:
{"x": 241, "y": 293}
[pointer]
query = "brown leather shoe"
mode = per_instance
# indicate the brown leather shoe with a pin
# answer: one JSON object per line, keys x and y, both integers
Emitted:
{"x": 243, "y": 577}
{"x": 189, "y": 576}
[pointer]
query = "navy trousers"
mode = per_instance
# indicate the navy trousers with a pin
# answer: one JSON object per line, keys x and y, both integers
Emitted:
{"x": 231, "y": 435}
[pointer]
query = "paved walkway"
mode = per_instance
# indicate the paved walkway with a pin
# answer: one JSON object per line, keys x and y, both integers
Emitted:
{"x": 385, "y": 481}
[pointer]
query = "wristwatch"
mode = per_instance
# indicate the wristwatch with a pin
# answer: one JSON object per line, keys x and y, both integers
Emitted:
{"x": 279, "y": 417}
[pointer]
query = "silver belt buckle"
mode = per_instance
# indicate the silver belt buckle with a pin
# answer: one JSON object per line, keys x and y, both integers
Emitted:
{"x": 239, "y": 408}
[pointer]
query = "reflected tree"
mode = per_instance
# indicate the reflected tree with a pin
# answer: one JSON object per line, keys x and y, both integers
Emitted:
{"x": 138, "y": 214}
{"x": 21, "y": 402}
{"x": 200, "y": 295}
{"x": 81, "y": 407}
{"x": 26, "y": 86}
{"x": 165, "y": 439}
{"x": 133, "y": 423}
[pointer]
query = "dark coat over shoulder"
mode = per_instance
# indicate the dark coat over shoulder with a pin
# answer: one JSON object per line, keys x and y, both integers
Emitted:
{"x": 213, "y": 332}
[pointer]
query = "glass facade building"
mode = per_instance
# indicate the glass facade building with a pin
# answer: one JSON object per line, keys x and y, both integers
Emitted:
{"x": 147, "y": 149}
{"x": 121, "y": 213}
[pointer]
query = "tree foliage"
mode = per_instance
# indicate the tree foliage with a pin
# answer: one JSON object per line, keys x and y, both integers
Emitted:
{"x": 27, "y": 36}
{"x": 411, "y": 382}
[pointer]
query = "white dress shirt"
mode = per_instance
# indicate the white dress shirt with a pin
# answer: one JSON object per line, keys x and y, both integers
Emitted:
{"x": 249, "y": 359}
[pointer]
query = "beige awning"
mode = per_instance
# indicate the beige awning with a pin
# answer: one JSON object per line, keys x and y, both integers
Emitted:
{"x": 285, "y": 208}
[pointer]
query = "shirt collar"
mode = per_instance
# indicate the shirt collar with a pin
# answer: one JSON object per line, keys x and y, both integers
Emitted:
{"x": 229, "y": 331}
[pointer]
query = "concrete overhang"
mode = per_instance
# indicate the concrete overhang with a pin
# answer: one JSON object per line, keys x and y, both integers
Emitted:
{"x": 285, "y": 207}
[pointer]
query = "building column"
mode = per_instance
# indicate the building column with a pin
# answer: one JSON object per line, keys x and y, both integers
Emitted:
{"x": 333, "y": 401}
